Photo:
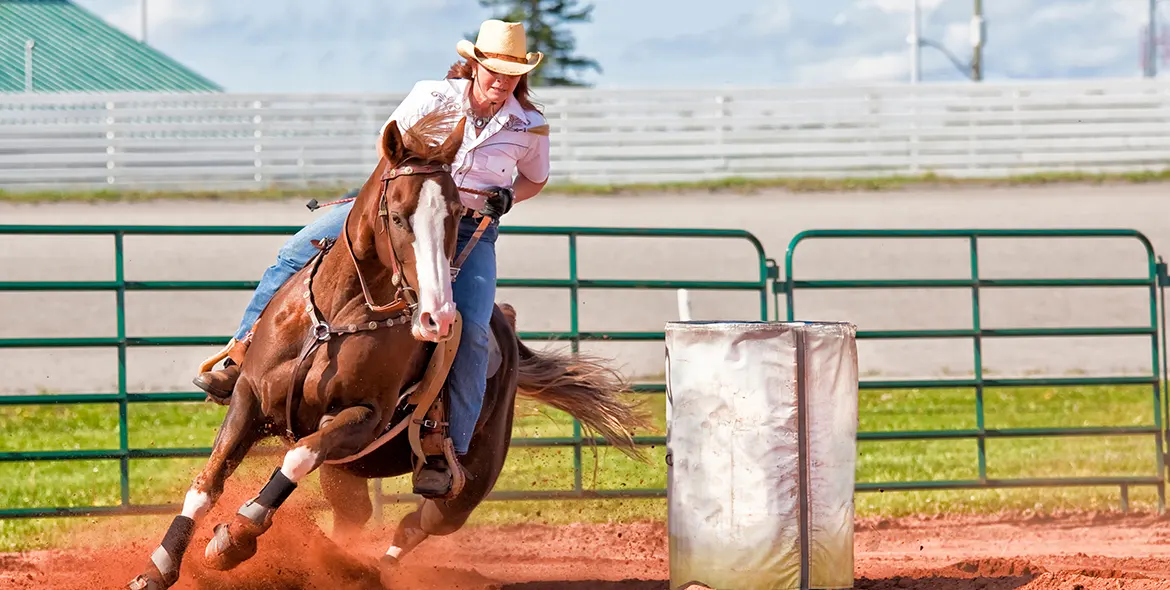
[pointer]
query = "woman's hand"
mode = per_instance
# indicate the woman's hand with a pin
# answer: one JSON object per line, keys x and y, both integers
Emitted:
{"x": 499, "y": 203}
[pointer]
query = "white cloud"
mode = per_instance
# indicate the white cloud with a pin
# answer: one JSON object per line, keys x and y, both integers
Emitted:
{"x": 885, "y": 67}
{"x": 163, "y": 17}
{"x": 374, "y": 45}
{"x": 775, "y": 15}
{"x": 899, "y": 6}
{"x": 957, "y": 36}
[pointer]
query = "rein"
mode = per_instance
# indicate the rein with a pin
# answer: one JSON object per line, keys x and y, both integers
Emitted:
{"x": 313, "y": 205}
{"x": 405, "y": 302}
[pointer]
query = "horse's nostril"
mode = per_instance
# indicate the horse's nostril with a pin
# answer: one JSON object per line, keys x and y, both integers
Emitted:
{"x": 428, "y": 320}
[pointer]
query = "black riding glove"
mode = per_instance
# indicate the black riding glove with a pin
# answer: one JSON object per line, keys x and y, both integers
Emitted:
{"x": 499, "y": 203}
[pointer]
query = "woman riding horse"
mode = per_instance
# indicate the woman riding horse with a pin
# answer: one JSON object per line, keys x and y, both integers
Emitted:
{"x": 507, "y": 133}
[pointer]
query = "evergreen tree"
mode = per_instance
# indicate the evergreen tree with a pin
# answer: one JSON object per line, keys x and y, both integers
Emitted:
{"x": 545, "y": 23}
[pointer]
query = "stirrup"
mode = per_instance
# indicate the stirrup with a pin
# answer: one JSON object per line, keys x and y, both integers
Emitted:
{"x": 212, "y": 360}
{"x": 455, "y": 471}
{"x": 234, "y": 349}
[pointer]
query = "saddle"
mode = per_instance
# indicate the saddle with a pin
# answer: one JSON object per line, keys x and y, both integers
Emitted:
{"x": 427, "y": 425}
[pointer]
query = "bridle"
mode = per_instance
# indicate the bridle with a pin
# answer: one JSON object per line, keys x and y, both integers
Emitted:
{"x": 405, "y": 294}
{"x": 403, "y": 308}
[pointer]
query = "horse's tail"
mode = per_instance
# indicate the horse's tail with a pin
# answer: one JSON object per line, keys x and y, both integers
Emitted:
{"x": 585, "y": 388}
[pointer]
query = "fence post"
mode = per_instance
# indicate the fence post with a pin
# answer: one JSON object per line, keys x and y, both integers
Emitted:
{"x": 563, "y": 133}
{"x": 684, "y": 305}
{"x": 721, "y": 116}
{"x": 28, "y": 64}
{"x": 110, "y": 149}
{"x": 258, "y": 134}
{"x": 914, "y": 166}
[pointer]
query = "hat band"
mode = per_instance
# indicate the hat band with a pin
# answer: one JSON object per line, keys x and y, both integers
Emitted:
{"x": 505, "y": 57}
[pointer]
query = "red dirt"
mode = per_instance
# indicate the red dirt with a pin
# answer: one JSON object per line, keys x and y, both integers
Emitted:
{"x": 1071, "y": 552}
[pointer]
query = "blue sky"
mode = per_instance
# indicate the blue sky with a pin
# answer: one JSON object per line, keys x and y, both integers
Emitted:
{"x": 386, "y": 45}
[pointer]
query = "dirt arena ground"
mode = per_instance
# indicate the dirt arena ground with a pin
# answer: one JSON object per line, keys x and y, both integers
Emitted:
{"x": 1080, "y": 552}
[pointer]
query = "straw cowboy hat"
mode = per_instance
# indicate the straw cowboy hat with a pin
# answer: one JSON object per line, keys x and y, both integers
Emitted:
{"x": 501, "y": 47}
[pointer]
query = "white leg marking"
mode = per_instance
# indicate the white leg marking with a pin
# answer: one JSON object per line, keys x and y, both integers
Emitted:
{"x": 394, "y": 552}
{"x": 298, "y": 463}
{"x": 433, "y": 268}
{"x": 196, "y": 505}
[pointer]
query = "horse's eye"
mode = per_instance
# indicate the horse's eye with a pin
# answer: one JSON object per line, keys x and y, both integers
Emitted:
{"x": 398, "y": 220}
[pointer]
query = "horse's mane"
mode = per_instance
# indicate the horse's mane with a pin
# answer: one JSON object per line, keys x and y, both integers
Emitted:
{"x": 427, "y": 135}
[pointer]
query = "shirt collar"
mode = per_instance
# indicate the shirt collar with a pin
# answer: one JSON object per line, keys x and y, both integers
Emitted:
{"x": 511, "y": 114}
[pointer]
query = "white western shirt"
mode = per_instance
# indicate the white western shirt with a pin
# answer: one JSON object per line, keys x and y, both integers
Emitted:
{"x": 513, "y": 140}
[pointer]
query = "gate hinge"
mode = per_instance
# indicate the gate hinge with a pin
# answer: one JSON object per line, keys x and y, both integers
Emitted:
{"x": 1163, "y": 276}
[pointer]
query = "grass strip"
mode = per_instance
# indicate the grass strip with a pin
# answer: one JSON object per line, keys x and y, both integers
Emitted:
{"x": 876, "y": 183}
{"x": 172, "y": 425}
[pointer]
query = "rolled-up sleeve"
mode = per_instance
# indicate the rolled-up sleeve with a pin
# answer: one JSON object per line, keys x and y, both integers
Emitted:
{"x": 534, "y": 164}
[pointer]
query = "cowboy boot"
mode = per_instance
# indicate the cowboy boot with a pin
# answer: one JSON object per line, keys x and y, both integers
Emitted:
{"x": 434, "y": 479}
{"x": 442, "y": 476}
{"x": 218, "y": 385}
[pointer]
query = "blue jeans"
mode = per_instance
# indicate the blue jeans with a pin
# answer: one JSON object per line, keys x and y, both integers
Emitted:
{"x": 474, "y": 292}
{"x": 292, "y": 257}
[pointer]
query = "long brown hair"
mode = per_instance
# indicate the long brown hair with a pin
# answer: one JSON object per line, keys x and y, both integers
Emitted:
{"x": 463, "y": 69}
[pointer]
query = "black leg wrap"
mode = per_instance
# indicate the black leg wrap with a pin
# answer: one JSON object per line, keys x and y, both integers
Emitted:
{"x": 178, "y": 536}
{"x": 167, "y": 556}
{"x": 276, "y": 491}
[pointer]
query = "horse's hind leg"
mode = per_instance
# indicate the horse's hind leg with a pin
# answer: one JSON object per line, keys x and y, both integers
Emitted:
{"x": 349, "y": 497}
{"x": 431, "y": 518}
{"x": 240, "y": 430}
{"x": 235, "y": 542}
{"x": 443, "y": 517}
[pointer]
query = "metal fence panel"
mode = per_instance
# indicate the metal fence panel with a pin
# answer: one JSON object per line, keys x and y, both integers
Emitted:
{"x": 978, "y": 284}
{"x": 122, "y": 341}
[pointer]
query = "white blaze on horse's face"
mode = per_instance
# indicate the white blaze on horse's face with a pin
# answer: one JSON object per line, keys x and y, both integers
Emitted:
{"x": 436, "y": 306}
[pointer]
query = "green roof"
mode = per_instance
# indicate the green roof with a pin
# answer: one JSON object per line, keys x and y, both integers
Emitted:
{"x": 75, "y": 51}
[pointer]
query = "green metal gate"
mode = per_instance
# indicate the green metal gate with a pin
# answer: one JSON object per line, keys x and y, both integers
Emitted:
{"x": 125, "y": 453}
{"x": 977, "y": 333}
{"x": 764, "y": 276}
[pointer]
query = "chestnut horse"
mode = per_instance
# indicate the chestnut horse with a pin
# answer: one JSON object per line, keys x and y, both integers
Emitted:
{"x": 339, "y": 377}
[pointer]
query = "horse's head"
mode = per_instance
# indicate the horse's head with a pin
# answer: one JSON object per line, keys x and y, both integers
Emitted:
{"x": 419, "y": 211}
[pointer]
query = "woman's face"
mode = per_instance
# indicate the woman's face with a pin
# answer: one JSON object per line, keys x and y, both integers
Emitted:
{"x": 494, "y": 87}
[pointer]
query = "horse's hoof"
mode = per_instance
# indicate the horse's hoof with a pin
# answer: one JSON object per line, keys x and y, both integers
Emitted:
{"x": 224, "y": 553}
{"x": 390, "y": 571}
{"x": 154, "y": 578}
{"x": 147, "y": 581}
{"x": 388, "y": 561}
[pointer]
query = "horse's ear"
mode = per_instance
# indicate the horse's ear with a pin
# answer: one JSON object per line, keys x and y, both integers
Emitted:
{"x": 391, "y": 146}
{"x": 450, "y": 147}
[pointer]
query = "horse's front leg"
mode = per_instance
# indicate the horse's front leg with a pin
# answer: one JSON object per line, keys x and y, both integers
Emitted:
{"x": 347, "y": 433}
{"x": 240, "y": 430}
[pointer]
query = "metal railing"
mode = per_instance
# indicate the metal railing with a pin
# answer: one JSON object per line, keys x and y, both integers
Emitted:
{"x": 977, "y": 333}
{"x": 766, "y": 278}
{"x": 122, "y": 341}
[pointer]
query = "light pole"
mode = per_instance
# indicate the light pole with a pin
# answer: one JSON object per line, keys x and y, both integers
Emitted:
{"x": 972, "y": 70}
{"x": 1152, "y": 40}
{"x": 29, "y": 45}
{"x": 142, "y": 16}
{"x": 978, "y": 34}
{"x": 915, "y": 41}
{"x": 967, "y": 69}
